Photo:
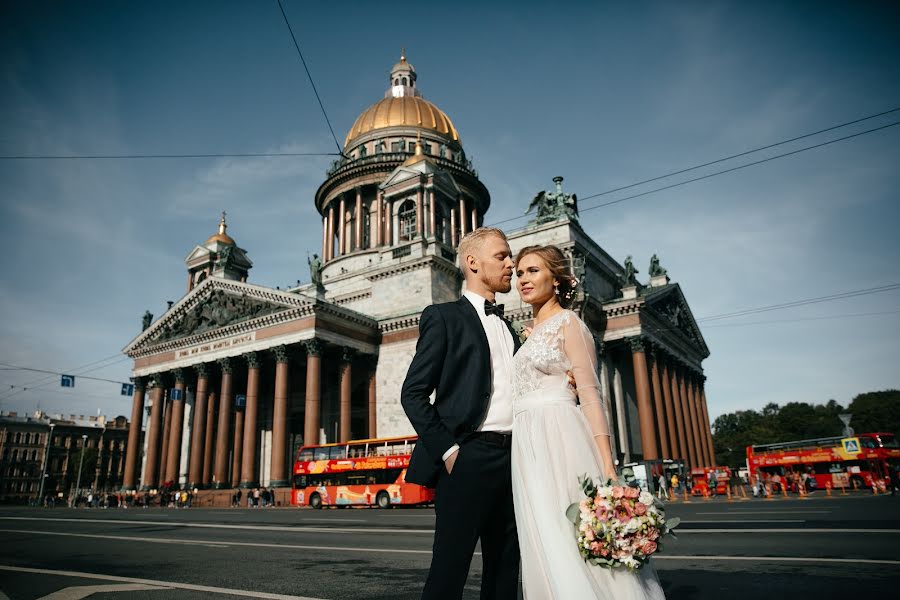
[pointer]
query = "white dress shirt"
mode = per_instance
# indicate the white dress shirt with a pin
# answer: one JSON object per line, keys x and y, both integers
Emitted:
{"x": 499, "y": 415}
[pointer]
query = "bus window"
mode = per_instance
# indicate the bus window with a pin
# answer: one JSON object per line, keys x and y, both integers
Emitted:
{"x": 300, "y": 481}
{"x": 867, "y": 442}
{"x": 306, "y": 454}
{"x": 889, "y": 441}
{"x": 321, "y": 454}
{"x": 338, "y": 452}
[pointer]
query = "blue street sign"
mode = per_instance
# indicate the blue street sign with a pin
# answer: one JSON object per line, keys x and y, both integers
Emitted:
{"x": 176, "y": 394}
{"x": 127, "y": 389}
{"x": 240, "y": 400}
{"x": 67, "y": 381}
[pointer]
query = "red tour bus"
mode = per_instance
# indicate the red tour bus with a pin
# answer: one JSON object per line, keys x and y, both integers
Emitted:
{"x": 700, "y": 480}
{"x": 357, "y": 473}
{"x": 858, "y": 461}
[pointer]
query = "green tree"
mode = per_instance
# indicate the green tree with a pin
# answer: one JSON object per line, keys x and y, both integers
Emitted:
{"x": 876, "y": 412}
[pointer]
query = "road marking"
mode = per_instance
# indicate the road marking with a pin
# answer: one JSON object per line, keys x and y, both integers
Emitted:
{"x": 786, "y": 530}
{"x": 764, "y": 512}
{"x": 169, "y": 584}
{"x": 867, "y": 561}
{"x": 298, "y": 529}
{"x": 83, "y": 591}
{"x": 334, "y": 520}
{"x": 747, "y": 521}
{"x": 128, "y": 538}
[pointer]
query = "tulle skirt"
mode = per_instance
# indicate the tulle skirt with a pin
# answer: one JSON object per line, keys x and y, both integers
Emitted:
{"x": 552, "y": 447}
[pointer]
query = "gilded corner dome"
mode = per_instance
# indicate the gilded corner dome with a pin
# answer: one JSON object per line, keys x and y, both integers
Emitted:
{"x": 402, "y": 111}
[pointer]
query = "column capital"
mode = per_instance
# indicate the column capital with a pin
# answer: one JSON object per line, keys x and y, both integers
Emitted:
{"x": 140, "y": 383}
{"x": 202, "y": 370}
{"x": 179, "y": 375}
{"x": 347, "y": 354}
{"x": 252, "y": 359}
{"x": 156, "y": 380}
{"x": 226, "y": 365}
{"x": 281, "y": 354}
{"x": 636, "y": 343}
{"x": 313, "y": 347}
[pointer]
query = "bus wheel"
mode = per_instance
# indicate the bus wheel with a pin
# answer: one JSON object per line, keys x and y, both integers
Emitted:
{"x": 383, "y": 500}
{"x": 315, "y": 500}
{"x": 857, "y": 483}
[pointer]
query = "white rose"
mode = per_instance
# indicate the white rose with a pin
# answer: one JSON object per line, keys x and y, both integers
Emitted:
{"x": 646, "y": 498}
{"x": 604, "y": 491}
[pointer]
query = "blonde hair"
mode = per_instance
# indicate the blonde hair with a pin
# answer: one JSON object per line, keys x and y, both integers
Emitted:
{"x": 473, "y": 241}
{"x": 558, "y": 265}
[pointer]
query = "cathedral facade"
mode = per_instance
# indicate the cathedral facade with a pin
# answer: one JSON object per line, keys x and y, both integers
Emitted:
{"x": 237, "y": 376}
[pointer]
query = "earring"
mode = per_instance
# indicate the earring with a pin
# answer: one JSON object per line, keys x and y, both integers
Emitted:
{"x": 556, "y": 289}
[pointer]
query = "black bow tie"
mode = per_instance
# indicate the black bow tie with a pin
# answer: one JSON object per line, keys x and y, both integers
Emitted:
{"x": 493, "y": 309}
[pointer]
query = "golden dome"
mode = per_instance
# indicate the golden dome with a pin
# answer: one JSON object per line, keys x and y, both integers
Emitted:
{"x": 221, "y": 236}
{"x": 402, "y": 111}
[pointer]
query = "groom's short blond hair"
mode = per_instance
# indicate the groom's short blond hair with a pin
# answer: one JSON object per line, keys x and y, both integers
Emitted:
{"x": 473, "y": 241}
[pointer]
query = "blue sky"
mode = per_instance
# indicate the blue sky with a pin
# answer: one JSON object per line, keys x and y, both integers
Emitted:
{"x": 604, "y": 94}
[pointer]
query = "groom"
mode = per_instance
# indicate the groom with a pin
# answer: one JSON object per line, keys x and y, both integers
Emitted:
{"x": 465, "y": 353}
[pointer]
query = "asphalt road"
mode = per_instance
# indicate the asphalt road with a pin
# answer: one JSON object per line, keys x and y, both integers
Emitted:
{"x": 819, "y": 548}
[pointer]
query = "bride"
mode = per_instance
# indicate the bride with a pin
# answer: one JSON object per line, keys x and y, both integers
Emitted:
{"x": 555, "y": 441}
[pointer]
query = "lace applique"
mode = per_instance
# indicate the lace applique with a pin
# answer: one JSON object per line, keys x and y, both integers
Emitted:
{"x": 541, "y": 355}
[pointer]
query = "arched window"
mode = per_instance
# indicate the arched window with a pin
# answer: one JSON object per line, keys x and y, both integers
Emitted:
{"x": 397, "y": 81}
{"x": 405, "y": 81}
{"x": 407, "y": 218}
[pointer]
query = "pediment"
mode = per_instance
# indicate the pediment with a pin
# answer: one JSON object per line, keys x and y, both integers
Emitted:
{"x": 198, "y": 254}
{"x": 216, "y": 304}
{"x": 670, "y": 305}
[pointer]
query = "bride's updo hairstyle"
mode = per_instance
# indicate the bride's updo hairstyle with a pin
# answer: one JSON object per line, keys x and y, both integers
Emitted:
{"x": 558, "y": 265}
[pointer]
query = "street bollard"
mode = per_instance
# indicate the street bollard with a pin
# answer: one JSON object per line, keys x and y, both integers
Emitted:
{"x": 843, "y": 490}
{"x": 784, "y": 490}
{"x": 769, "y": 492}
{"x": 687, "y": 499}
{"x": 828, "y": 489}
{"x": 728, "y": 493}
{"x": 743, "y": 493}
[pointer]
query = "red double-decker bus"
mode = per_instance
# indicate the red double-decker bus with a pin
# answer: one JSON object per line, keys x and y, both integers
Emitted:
{"x": 840, "y": 462}
{"x": 358, "y": 473}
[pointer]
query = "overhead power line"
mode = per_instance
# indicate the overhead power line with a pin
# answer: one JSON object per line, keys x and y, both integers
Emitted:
{"x": 716, "y": 173}
{"x": 806, "y": 301}
{"x": 802, "y": 319}
{"x": 144, "y": 156}
{"x": 311, "y": 82}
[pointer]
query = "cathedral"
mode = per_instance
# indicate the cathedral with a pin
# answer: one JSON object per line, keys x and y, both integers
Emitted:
{"x": 235, "y": 377}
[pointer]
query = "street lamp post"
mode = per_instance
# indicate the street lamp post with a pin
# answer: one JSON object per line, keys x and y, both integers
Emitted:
{"x": 44, "y": 468}
{"x": 80, "y": 464}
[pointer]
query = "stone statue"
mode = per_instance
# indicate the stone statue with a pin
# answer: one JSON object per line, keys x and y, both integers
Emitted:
{"x": 225, "y": 257}
{"x": 315, "y": 270}
{"x": 655, "y": 269}
{"x": 379, "y": 146}
{"x": 552, "y": 206}
{"x": 443, "y": 151}
{"x": 630, "y": 276}
{"x": 148, "y": 318}
{"x": 362, "y": 151}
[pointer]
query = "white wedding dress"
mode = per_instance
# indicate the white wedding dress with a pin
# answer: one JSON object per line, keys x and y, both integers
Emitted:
{"x": 553, "y": 444}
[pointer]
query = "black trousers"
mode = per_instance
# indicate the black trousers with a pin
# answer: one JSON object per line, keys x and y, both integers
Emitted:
{"x": 475, "y": 502}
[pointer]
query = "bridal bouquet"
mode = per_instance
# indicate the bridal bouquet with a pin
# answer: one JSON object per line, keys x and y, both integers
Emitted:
{"x": 618, "y": 524}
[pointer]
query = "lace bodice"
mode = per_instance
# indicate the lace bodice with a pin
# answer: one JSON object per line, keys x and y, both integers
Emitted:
{"x": 559, "y": 345}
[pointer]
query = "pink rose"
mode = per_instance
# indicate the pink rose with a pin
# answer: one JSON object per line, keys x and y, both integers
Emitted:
{"x": 654, "y": 534}
{"x": 589, "y": 535}
{"x": 602, "y": 515}
{"x": 623, "y": 512}
{"x": 640, "y": 509}
{"x": 595, "y": 547}
{"x": 632, "y": 493}
{"x": 617, "y": 492}
{"x": 648, "y": 548}
{"x": 604, "y": 552}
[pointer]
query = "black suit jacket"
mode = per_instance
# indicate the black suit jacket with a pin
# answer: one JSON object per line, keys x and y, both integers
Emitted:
{"x": 452, "y": 357}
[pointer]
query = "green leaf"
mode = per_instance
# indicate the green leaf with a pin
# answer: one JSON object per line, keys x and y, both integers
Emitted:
{"x": 673, "y": 522}
{"x": 573, "y": 512}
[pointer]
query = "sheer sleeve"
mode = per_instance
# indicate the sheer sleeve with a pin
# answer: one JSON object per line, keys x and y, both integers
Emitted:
{"x": 581, "y": 352}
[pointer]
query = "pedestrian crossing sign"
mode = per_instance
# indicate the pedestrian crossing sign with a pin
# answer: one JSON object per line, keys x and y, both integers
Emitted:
{"x": 851, "y": 445}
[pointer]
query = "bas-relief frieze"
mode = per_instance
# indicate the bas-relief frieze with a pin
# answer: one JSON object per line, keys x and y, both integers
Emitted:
{"x": 218, "y": 310}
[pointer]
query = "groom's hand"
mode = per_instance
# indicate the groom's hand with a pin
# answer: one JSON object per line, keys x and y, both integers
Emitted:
{"x": 450, "y": 461}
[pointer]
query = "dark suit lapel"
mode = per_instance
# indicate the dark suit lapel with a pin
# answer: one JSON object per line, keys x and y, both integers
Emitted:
{"x": 517, "y": 343}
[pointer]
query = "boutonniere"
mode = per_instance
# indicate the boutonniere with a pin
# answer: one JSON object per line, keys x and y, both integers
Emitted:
{"x": 521, "y": 330}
